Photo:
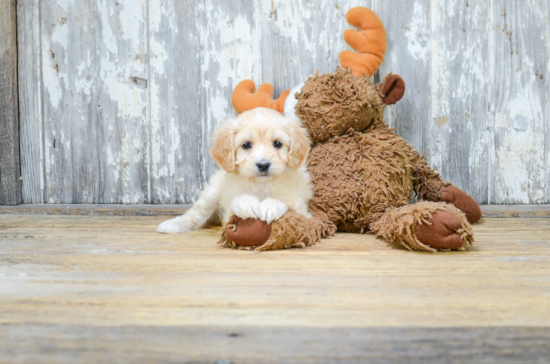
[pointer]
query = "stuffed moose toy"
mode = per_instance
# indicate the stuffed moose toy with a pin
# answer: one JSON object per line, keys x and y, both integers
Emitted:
{"x": 363, "y": 174}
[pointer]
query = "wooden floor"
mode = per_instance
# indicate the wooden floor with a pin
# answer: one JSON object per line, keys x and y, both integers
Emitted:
{"x": 108, "y": 288}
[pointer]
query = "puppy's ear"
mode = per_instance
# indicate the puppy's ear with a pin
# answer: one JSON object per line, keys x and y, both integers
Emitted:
{"x": 223, "y": 150}
{"x": 299, "y": 145}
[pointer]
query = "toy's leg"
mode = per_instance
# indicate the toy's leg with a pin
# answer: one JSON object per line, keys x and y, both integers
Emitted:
{"x": 427, "y": 226}
{"x": 292, "y": 230}
{"x": 454, "y": 195}
{"x": 435, "y": 189}
{"x": 430, "y": 187}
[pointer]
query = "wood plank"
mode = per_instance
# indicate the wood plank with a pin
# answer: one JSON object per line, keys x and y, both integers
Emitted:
{"x": 30, "y": 100}
{"x": 111, "y": 289}
{"x": 98, "y": 210}
{"x": 519, "y": 102}
{"x": 458, "y": 137}
{"x": 69, "y": 100}
{"x": 547, "y": 146}
{"x": 10, "y": 168}
{"x": 115, "y": 271}
{"x": 95, "y": 78}
{"x": 409, "y": 38}
{"x": 244, "y": 344}
{"x": 524, "y": 211}
{"x": 121, "y": 62}
{"x": 177, "y": 124}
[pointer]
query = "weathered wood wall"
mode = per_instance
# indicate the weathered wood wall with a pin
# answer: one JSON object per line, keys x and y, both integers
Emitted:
{"x": 10, "y": 171}
{"x": 119, "y": 99}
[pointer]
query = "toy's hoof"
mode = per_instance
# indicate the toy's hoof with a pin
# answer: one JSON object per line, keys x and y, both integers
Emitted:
{"x": 248, "y": 232}
{"x": 462, "y": 200}
{"x": 443, "y": 233}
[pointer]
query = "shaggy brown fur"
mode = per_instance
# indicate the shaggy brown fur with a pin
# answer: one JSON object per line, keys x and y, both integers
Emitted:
{"x": 398, "y": 225}
{"x": 332, "y": 103}
{"x": 290, "y": 231}
{"x": 363, "y": 173}
{"x": 358, "y": 176}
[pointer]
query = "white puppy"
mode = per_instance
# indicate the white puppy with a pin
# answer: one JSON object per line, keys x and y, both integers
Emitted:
{"x": 262, "y": 156}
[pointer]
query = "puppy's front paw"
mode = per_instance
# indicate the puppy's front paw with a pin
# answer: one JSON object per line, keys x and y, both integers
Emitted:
{"x": 246, "y": 206}
{"x": 173, "y": 226}
{"x": 272, "y": 209}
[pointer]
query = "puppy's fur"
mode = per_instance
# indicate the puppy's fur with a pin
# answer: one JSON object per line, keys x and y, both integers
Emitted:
{"x": 261, "y": 155}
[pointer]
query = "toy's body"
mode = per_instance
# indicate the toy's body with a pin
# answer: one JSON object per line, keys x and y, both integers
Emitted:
{"x": 363, "y": 173}
{"x": 363, "y": 181}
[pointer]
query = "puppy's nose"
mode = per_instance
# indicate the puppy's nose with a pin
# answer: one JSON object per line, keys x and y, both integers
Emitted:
{"x": 263, "y": 166}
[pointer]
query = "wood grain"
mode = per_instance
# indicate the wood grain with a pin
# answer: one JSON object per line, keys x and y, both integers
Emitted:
{"x": 176, "y": 115}
{"x": 30, "y": 100}
{"x": 10, "y": 169}
{"x": 105, "y": 209}
{"x": 409, "y": 34}
{"x": 111, "y": 288}
{"x": 519, "y": 102}
{"x": 245, "y": 344}
{"x": 121, "y": 87}
{"x": 95, "y": 86}
{"x": 458, "y": 137}
{"x": 135, "y": 89}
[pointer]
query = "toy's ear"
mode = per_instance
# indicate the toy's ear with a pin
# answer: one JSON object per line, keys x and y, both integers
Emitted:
{"x": 223, "y": 150}
{"x": 244, "y": 97}
{"x": 393, "y": 90}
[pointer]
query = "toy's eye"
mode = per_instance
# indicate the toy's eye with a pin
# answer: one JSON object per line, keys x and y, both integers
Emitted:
{"x": 247, "y": 145}
{"x": 277, "y": 144}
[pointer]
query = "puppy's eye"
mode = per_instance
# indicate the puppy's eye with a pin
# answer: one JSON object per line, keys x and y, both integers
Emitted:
{"x": 247, "y": 145}
{"x": 277, "y": 144}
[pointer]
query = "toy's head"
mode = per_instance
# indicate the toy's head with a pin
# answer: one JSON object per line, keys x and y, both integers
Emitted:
{"x": 331, "y": 104}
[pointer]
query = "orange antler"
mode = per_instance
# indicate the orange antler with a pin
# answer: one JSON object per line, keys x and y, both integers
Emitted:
{"x": 369, "y": 41}
{"x": 244, "y": 98}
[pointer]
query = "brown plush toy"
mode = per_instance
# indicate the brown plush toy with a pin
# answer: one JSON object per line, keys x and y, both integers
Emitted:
{"x": 363, "y": 173}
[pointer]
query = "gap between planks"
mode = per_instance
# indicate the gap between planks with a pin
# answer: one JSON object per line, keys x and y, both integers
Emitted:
{"x": 489, "y": 211}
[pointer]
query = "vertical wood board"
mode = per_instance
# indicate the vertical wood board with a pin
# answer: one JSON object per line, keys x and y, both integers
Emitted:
{"x": 10, "y": 184}
{"x": 457, "y": 138}
{"x": 519, "y": 102}
{"x": 30, "y": 100}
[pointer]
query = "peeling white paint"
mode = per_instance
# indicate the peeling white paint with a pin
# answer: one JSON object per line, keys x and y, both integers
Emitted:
{"x": 50, "y": 69}
{"x": 52, "y": 82}
{"x": 82, "y": 84}
{"x": 131, "y": 29}
{"x": 292, "y": 20}
{"x": 518, "y": 150}
{"x": 485, "y": 83}
{"x": 60, "y": 35}
{"x": 65, "y": 4}
{"x": 108, "y": 38}
{"x": 418, "y": 44}
{"x": 116, "y": 79}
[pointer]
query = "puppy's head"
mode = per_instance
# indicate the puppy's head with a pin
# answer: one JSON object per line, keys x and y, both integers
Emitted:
{"x": 260, "y": 144}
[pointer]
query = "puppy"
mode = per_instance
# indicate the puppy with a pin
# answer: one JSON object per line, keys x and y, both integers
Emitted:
{"x": 261, "y": 155}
